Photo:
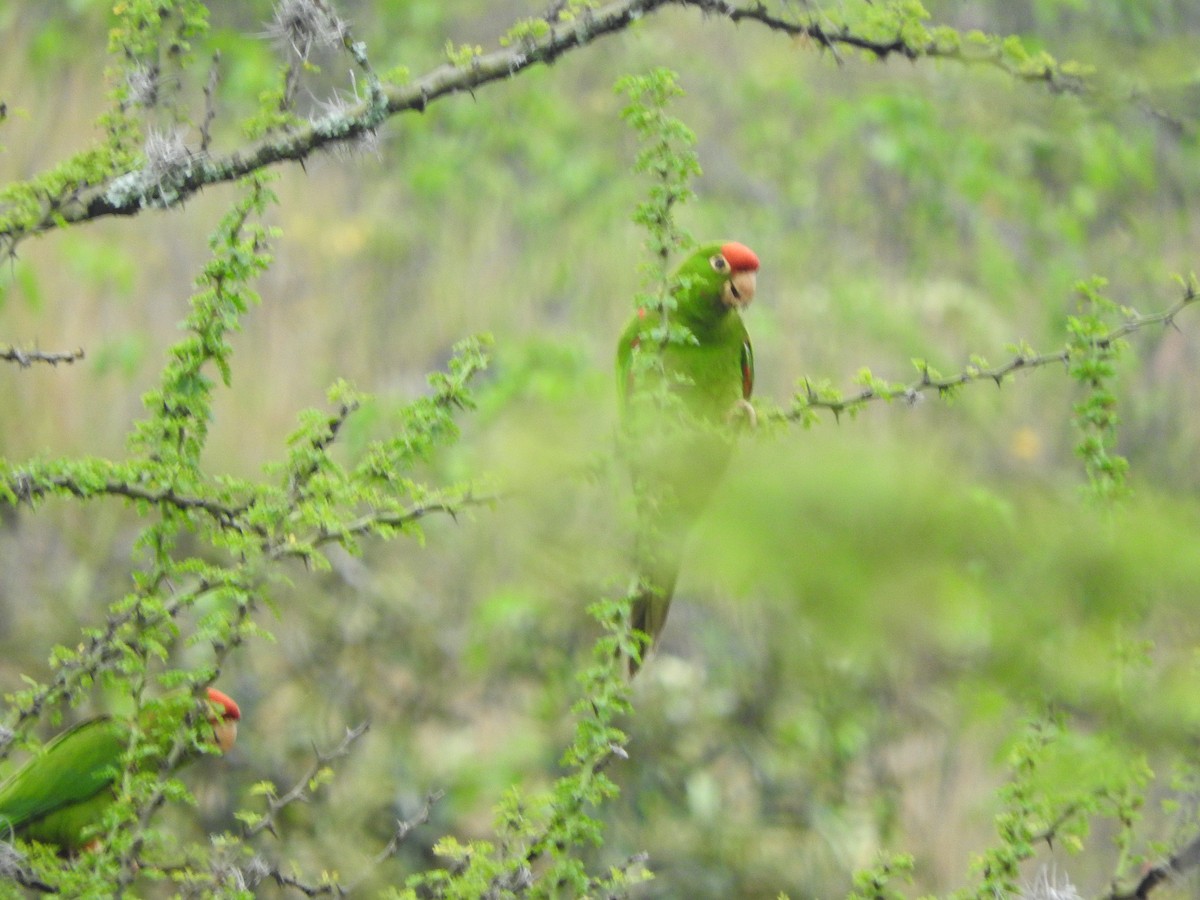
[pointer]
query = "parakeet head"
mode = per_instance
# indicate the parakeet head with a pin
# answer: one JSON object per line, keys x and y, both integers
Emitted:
{"x": 224, "y": 718}
{"x": 729, "y": 270}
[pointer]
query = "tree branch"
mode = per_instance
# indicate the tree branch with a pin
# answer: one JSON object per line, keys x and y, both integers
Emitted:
{"x": 237, "y": 517}
{"x": 26, "y": 488}
{"x": 129, "y": 194}
{"x": 1180, "y": 863}
{"x": 383, "y": 519}
{"x": 134, "y": 191}
{"x": 26, "y": 358}
{"x": 811, "y": 398}
{"x": 1040, "y": 69}
{"x": 302, "y": 789}
{"x": 13, "y": 867}
{"x": 260, "y": 870}
{"x": 405, "y": 827}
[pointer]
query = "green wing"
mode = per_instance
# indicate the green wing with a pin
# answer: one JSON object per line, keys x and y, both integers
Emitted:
{"x": 69, "y": 780}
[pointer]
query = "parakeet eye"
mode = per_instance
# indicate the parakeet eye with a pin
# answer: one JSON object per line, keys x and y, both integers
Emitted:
{"x": 718, "y": 263}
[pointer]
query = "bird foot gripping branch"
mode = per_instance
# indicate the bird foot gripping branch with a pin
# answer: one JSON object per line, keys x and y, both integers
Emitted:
{"x": 743, "y": 410}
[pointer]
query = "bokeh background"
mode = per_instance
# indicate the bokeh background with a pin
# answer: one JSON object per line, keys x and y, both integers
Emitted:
{"x": 871, "y": 607}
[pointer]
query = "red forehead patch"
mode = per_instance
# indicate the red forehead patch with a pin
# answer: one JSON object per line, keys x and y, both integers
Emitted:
{"x": 225, "y": 701}
{"x": 740, "y": 257}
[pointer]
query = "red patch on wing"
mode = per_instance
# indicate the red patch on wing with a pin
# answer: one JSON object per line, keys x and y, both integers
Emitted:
{"x": 740, "y": 257}
{"x": 747, "y": 370}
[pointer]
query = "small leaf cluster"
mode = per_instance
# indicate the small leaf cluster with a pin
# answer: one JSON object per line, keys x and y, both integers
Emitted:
{"x": 902, "y": 26}
{"x": 876, "y": 881}
{"x": 1092, "y": 355}
{"x": 462, "y": 55}
{"x": 667, "y": 156}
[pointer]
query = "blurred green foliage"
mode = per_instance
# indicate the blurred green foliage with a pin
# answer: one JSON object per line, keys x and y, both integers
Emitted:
{"x": 907, "y": 632}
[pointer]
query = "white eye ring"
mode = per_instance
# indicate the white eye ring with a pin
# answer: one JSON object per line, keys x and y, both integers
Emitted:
{"x": 718, "y": 262}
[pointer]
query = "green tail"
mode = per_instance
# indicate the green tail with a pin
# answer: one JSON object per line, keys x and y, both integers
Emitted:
{"x": 658, "y": 570}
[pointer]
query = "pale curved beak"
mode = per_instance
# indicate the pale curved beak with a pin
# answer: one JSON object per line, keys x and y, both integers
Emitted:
{"x": 225, "y": 734}
{"x": 739, "y": 289}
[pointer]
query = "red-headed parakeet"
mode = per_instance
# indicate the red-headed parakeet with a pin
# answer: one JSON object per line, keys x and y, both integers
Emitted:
{"x": 68, "y": 785}
{"x": 678, "y": 451}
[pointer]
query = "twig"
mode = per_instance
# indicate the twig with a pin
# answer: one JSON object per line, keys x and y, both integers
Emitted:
{"x": 368, "y": 523}
{"x": 810, "y": 398}
{"x": 26, "y": 488}
{"x": 210, "y": 102}
{"x": 26, "y": 358}
{"x": 321, "y": 443}
{"x": 301, "y": 790}
{"x": 1181, "y": 862}
{"x": 238, "y": 517}
{"x": 309, "y": 890}
{"x": 1046, "y": 72}
{"x": 405, "y": 827}
{"x": 13, "y": 868}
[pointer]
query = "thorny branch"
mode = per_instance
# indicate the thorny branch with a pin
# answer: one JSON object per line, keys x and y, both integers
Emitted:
{"x": 26, "y": 358}
{"x": 333, "y": 425}
{"x": 404, "y": 827}
{"x": 237, "y": 517}
{"x": 274, "y": 540}
{"x": 80, "y": 203}
{"x": 28, "y": 489}
{"x": 302, "y": 789}
{"x": 1180, "y": 863}
{"x": 809, "y": 398}
{"x": 260, "y": 870}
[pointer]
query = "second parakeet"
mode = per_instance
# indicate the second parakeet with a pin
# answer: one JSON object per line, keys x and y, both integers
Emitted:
{"x": 65, "y": 788}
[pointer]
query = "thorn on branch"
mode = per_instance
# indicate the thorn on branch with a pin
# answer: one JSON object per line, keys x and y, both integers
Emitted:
{"x": 807, "y": 398}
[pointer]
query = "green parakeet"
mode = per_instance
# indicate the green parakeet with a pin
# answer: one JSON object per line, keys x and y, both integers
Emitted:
{"x": 680, "y": 419}
{"x": 67, "y": 786}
